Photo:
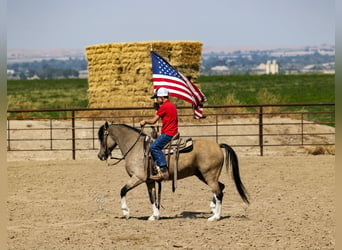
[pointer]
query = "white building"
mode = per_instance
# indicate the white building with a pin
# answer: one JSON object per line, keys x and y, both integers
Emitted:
{"x": 10, "y": 72}
{"x": 219, "y": 68}
{"x": 83, "y": 74}
{"x": 272, "y": 68}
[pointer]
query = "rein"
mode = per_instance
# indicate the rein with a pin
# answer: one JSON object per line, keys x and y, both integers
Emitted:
{"x": 123, "y": 157}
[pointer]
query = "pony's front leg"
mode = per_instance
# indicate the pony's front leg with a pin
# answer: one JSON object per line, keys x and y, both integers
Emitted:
{"x": 213, "y": 204}
{"x": 153, "y": 199}
{"x": 124, "y": 207}
{"x": 132, "y": 183}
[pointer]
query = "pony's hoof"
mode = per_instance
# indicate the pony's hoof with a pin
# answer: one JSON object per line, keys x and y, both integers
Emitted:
{"x": 125, "y": 213}
{"x": 214, "y": 218}
{"x": 153, "y": 217}
{"x": 212, "y": 207}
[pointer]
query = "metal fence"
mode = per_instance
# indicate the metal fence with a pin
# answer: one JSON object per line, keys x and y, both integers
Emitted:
{"x": 253, "y": 127}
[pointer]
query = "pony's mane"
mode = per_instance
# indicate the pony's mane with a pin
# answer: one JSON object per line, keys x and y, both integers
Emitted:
{"x": 100, "y": 133}
{"x": 101, "y": 130}
{"x": 130, "y": 127}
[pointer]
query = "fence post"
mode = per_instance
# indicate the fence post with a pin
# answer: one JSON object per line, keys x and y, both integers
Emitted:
{"x": 216, "y": 128}
{"x": 8, "y": 135}
{"x": 93, "y": 129}
{"x": 302, "y": 128}
{"x": 73, "y": 134}
{"x": 51, "y": 134}
{"x": 261, "y": 134}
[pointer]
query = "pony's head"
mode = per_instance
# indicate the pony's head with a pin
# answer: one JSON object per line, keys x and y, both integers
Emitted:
{"x": 107, "y": 143}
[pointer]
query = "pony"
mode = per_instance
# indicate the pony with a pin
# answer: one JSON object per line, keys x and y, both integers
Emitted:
{"x": 205, "y": 161}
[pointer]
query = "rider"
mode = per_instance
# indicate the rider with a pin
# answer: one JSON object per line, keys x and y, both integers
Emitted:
{"x": 168, "y": 114}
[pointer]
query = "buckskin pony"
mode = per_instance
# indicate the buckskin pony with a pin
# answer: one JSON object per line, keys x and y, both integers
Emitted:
{"x": 205, "y": 161}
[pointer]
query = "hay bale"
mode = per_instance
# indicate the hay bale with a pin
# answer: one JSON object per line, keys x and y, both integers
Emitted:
{"x": 120, "y": 74}
{"x": 322, "y": 150}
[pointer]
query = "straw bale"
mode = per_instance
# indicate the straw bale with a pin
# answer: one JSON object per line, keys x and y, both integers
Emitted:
{"x": 120, "y": 74}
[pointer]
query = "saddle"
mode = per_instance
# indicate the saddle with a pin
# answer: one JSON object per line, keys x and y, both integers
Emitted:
{"x": 176, "y": 146}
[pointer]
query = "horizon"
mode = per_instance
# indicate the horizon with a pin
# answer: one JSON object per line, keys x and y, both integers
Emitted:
{"x": 208, "y": 48}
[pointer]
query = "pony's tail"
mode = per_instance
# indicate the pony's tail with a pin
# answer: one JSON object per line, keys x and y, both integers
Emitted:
{"x": 232, "y": 158}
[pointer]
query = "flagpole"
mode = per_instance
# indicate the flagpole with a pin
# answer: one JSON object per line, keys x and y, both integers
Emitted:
{"x": 156, "y": 108}
{"x": 155, "y": 100}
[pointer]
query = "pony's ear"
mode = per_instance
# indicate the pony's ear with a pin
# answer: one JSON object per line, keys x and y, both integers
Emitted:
{"x": 106, "y": 125}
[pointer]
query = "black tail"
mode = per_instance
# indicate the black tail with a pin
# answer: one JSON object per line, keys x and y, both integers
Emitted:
{"x": 232, "y": 158}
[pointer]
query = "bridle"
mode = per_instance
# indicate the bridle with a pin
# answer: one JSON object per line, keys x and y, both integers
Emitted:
{"x": 106, "y": 133}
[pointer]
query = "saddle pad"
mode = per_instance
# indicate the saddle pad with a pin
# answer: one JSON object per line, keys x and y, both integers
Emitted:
{"x": 185, "y": 146}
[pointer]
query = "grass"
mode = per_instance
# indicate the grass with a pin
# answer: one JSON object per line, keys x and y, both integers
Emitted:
{"x": 46, "y": 94}
{"x": 43, "y": 94}
{"x": 273, "y": 89}
{"x": 219, "y": 90}
{"x": 289, "y": 88}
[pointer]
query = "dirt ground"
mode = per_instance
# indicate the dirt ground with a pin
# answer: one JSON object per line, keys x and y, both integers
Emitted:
{"x": 76, "y": 205}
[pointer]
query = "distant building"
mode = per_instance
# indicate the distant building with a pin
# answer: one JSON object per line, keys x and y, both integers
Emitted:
{"x": 272, "y": 68}
{"x": 35, "y": 77}
{"x": 10, "y": 72}
{"x": 83, "y": 74}
{"x": 220, "y": 68}
{"x": 11, "y": 75}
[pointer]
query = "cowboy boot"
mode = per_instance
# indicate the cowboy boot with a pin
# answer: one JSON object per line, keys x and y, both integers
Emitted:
{"x": 161, "y": 175}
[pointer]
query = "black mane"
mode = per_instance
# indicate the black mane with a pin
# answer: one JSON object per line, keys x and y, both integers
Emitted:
{"x": 100, "y": 133}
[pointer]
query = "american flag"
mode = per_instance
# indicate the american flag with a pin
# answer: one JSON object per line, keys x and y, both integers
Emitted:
{"x": 164, "y": 75}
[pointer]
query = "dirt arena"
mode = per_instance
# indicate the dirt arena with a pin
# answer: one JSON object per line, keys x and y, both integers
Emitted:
{"x": 76, "y": 205}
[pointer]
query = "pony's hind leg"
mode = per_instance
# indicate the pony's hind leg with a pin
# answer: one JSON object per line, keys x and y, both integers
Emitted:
{"x": 216, "y": 203}
{"x": 213, "y": 201}
{"x": 216, "y": 189}
{"x": 153, "y": 199}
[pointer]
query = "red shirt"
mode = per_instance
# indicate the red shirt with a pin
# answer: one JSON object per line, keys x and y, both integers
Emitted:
{"x": 168, "y": 113}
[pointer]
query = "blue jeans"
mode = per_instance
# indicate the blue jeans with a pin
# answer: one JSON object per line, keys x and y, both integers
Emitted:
{"x": 156, "y": 150}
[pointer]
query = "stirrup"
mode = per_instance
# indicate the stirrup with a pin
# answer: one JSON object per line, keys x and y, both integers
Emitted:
{"x": 160, "y": 176}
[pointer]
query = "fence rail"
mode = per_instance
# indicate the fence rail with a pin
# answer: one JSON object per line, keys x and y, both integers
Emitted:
{"x": 242, "y": 126}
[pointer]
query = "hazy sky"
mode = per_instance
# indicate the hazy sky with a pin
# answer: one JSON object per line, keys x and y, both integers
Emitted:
{"x": 74, "y": 24}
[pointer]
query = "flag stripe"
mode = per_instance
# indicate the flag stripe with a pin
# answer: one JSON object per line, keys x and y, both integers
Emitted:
{"x": 173, "y": 87}
{"x": 178, "y": 94}
{"x": 194, "y": 90}
{"x": 172, "y": 81}
{"x": 164, "y": 75}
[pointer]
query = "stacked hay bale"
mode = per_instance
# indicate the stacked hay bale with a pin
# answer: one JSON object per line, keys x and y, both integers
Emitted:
{"x": 120, "y": 74}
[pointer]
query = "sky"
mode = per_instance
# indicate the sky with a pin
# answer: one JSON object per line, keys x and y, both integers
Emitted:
{"x": 75, "y": 24}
